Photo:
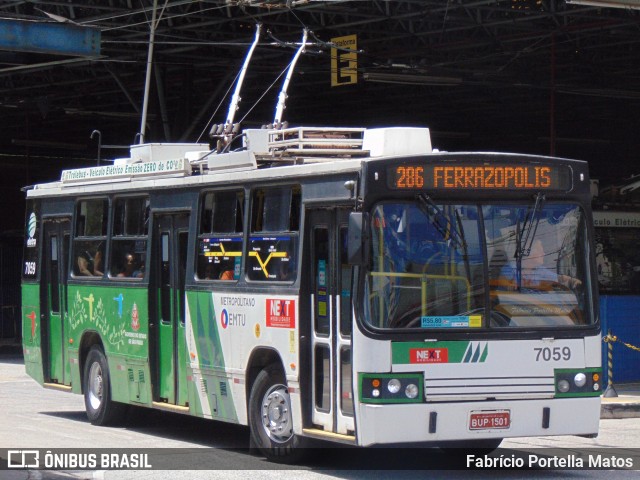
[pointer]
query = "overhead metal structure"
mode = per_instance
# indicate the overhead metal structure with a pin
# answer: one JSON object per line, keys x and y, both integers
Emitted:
{"x": 608, "y": 3}
{"x": 539, "y": 76}
{"x": 47, "y": 37}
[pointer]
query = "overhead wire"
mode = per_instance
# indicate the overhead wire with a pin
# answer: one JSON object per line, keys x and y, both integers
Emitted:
{"x": 206, "y": 127}
{"x": 129, "y": 13}
{"x": 265, "y": 92}
{"x": 161, "y": 17}
{"x": 147, "y": 21}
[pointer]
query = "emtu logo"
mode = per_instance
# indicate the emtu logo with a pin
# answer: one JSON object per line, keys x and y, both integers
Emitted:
{"x": 224, "y": 318}
{"x": 31, "y": 230}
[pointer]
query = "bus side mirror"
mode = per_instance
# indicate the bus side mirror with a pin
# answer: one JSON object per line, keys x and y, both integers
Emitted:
{"x": 357, "y": 241}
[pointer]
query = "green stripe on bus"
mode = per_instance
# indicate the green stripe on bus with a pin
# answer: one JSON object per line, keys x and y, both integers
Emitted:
{"x": 211, "y": 357}
{"x": 451, "y": 352}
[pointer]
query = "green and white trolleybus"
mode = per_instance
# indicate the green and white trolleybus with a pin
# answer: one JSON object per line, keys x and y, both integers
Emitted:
{"x": 352, "y": 285}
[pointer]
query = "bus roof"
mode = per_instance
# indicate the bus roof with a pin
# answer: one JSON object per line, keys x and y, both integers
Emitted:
{"x": 266, "y": 155}
{"x": 299, "y": 151}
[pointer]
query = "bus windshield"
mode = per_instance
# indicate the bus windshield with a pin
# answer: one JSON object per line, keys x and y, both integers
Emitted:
{"x": 471, "y": 266}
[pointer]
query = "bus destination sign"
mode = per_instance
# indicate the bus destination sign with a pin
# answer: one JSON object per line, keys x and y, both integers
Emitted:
{"x": 479, "y": 177}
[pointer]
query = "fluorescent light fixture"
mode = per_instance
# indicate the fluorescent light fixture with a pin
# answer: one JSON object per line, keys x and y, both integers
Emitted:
{"x": 410, "y": 79}
{"x": 79, "y": 112}
{"x": 634, "y": 4}
{"x": 45, "y": 144}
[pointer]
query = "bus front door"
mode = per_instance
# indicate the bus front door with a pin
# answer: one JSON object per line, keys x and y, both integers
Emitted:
{"x": 55, "y": 323}
{"x": 168, "y": 351}
{"x": 330, "y": 289}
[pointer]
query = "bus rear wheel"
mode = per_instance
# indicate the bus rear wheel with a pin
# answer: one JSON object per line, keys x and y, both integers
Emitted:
{"x": 101, "y": 410}
{"x": 271, "y": 419}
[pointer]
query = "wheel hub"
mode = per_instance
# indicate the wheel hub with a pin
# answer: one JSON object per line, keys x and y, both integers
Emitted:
{"x": 95, "y": 386}
{"x": 276, "y": 414}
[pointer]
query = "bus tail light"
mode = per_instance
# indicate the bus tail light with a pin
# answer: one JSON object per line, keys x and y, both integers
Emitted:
{"x": 577, "y": 382}
{"x": 391, "y": 388}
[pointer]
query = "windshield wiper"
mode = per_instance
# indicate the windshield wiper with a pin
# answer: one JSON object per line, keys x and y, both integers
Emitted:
{"x": 530, "y": 223}
{"x": 463, "y": 240}
{"x": 526, "y": 235}
{"x": 449, "y": 232}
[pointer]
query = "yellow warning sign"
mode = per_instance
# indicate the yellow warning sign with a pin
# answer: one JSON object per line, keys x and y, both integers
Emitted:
{"x": 344, "y": 60}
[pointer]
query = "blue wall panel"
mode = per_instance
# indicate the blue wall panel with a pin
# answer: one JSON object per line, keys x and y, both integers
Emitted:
{"x": 621, "y": 315}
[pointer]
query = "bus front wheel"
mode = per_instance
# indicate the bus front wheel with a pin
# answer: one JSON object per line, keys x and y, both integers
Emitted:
{"x": 101, "y": 410}
{"x": 271, "y": 419}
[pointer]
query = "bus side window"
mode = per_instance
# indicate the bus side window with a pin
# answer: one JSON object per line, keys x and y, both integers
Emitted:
{"x": 90, "y": 237}
{"x": 220, "y": 235}
{"x": 129, "y": 237}
{"x": 273, "y": 241}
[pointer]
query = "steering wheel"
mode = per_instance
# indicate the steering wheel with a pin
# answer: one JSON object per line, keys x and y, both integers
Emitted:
{"x": 426, "y": 265}
{"x": 411, "y": 319}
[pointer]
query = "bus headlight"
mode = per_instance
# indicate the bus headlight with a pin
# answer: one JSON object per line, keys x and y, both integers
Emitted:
{"x": 411, "y": 391}
{"x": 577, "y": 382}
{"x": 394, "y": 385}
{"x": 563, "y": 386}
{"x": 391, "y": 387}
{"x": 580, "y": 380}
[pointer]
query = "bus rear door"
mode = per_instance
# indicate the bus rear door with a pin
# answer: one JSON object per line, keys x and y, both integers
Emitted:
{"x": 167, "y": 329}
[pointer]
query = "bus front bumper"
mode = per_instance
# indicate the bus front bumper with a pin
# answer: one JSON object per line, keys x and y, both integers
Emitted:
{"x": 436, "y": 422}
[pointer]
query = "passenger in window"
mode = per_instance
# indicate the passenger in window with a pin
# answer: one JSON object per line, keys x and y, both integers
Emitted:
{"x": 286, "y": 268}
{"x": 212, "y": 271}
{"x": 226, "y": 275}
{"x": 205, "y": 273}
{"x": 226, "y": 270}
{"x": 131, "y": 267}
{"x": 97, "y": 264}
{"x": 89, "y": 265}
{"x": 84, "y": 266}
{"x": 534, "y": 274}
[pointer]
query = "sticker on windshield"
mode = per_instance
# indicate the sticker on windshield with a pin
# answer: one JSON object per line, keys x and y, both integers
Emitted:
{"x": 472, "y": 321}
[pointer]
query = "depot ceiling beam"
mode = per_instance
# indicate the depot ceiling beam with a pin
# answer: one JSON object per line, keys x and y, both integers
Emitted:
{"x": 632, "y": 4}
{"x": 56, "y": 38}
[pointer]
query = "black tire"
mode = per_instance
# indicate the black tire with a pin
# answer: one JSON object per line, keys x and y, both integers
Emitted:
{"x": 101, "y": 410}
{"x": 270, "y": 419}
